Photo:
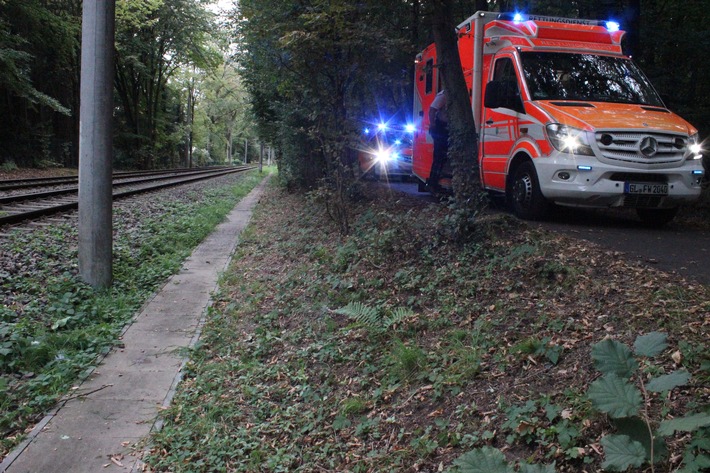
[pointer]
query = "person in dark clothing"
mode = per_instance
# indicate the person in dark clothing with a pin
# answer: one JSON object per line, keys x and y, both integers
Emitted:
{"x": 439, "y": 131}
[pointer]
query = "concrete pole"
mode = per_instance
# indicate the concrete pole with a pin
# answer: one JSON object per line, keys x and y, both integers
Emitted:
{"x": 96, "y": 143}
{"x": 261, "y": 158}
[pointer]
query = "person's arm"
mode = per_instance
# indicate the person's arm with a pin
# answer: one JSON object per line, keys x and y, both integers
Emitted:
{"x": 432, "y": 116}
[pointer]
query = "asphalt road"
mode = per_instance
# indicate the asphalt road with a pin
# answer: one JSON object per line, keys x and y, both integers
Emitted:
{"x": 674, "y": 248}
{"x": 677, "y": 247}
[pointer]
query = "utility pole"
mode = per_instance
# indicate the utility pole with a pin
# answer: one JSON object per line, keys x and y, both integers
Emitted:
{"x": 190, "y": 117}
{"x": 188, "y": 129}
{"x": 261, "y": 157}
{"x": 96, "y": 143}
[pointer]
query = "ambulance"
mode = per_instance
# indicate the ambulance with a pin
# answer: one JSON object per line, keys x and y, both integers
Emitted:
{"x": 563, "y": 117}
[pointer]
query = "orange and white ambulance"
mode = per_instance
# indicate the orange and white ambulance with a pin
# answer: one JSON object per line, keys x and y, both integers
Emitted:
{"x": 564, "y": 117}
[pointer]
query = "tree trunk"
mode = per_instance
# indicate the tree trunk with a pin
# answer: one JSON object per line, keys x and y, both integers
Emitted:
{"x": 463, "y": 140}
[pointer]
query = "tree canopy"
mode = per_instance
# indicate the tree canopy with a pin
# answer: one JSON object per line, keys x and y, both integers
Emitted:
{"x": 159, "y": 44}
{"x": 301, "y": 75}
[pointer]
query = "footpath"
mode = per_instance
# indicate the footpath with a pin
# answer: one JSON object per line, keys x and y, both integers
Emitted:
{"x": 100, "y": 425}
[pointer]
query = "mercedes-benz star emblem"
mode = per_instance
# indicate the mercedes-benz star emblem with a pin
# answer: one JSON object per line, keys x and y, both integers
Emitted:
{"x": 649, "y": 146}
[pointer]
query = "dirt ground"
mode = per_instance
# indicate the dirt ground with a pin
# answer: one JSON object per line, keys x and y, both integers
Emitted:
{"x": 681, "y": 247}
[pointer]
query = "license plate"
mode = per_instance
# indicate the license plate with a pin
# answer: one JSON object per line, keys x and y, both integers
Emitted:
{"x": 646, "y": 188}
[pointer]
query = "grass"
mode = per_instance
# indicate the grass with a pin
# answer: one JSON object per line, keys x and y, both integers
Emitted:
{"x": 300, "y": 370}
{"x": 53, "y": 326}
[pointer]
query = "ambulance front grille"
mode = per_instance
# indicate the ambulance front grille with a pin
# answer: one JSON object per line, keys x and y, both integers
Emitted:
{"x": 642, "y": 148}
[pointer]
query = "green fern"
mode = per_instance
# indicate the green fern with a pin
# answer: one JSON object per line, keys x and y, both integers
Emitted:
{"x": 398, "y": 315}
{"x": 362, "y": 314}
{"x": 371, "y": 317}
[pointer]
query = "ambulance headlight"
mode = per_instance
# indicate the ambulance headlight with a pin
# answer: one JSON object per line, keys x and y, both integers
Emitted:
{"x": 383, "y": 155}
{"x": 568, "y": 140}
{"x": 695, "y": 147}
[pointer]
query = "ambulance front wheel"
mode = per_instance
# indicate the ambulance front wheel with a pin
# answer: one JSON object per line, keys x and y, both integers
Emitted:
{"x": 525, "y": 197}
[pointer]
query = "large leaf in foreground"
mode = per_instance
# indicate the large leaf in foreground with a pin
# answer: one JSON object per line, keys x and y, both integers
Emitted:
{"x": 668, "y": 381}
{"x": 650, "y": 344}
{"x": 611, "y": 356}
{"x": 621, "y": 452}
{"x": 483, "y": 460}
{"x": 636, "y": 429}
{"x": 525, "y": 468}
{"x": 614, "y": 396}
{"x": 684, "y": 424}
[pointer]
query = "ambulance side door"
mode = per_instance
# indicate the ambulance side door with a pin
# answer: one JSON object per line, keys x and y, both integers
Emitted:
{"x": 502, "y": 105}
{"x": 425, "y": 90}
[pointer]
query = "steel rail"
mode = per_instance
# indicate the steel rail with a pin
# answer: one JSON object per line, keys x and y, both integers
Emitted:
{"x": 14, "y": 184}
{"x": 67, "y": 206}
{"x": 72, "y": 190}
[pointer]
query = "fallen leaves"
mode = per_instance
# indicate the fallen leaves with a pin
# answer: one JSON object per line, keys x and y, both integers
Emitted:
{"x": 304, "y": 364}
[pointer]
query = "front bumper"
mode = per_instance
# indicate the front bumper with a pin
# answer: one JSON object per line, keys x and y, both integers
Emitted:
{"x": 584, "y": 181}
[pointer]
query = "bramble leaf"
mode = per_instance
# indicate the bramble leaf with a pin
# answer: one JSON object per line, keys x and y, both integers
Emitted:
{"x": 527, "y": 468}
{"x": 341, "y": 422}
{"x": 650, "y": 344}
{"x": 483, "y": 460}
{"x": 621, "y": 452}
{"x": 611, "y": 356}
{"x": 637, "y": 429}
{"x": 684, "y": 424}
{"x": 614, "y": 396}
{"x": 695, "y": 463}
{"x": 668, "y": 381}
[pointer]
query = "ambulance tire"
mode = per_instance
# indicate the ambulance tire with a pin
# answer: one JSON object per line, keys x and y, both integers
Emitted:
{"x": 525, "y": 197}
{"x": 656, "y": 217}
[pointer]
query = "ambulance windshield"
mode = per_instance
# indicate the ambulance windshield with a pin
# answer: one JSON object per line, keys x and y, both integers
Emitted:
{"x": 586, "y": 77}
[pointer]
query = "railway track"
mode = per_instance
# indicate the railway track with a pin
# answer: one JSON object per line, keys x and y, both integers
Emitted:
{"x": 51, "y": 196}
{"x": 10, "y": 185}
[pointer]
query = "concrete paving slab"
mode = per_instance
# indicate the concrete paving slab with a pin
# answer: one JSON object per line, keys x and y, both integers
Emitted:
{"x": 129, "y": 385}
{"x": 141, "y": 361}
{"x": 148, "y": 340}
{"x": 85, "y": 434}
{"x": 99, "y": 426}
{"x": 166, "y": 324}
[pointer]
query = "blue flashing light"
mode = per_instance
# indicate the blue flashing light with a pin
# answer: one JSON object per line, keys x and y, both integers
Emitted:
{"x": 366, "y": 131}
{"x": 584, "y": 168}
{"x": 517, "y": 18}
{"x": 382, "y": 126}
{"x": 697, "y": 172}
{"x": 613, "y": 26}
{"x": 410, "y": 128}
